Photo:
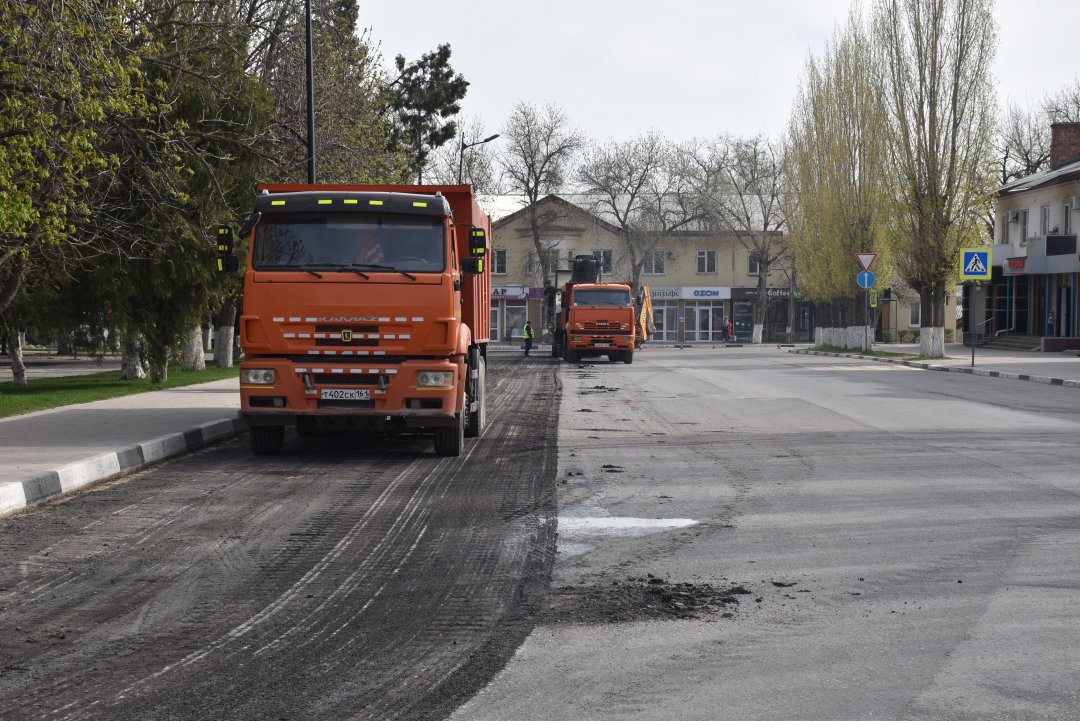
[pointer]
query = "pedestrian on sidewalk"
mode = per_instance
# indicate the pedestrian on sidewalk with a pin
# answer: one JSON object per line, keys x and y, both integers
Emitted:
{"x": 729, "y": 330}
{"x": 527, "y": 334}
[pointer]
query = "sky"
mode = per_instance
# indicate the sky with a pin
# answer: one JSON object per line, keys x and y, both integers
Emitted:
{"x": 685, "y": 68}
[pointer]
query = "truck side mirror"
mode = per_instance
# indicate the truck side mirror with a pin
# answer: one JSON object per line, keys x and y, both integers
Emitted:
{"x": 475, "y": 266}
{"x": 478, "y": 241}
{"x": 227, "y": 262}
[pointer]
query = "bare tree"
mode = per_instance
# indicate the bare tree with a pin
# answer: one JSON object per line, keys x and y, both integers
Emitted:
{"x": 935, "y": 75}
{"x": 740, "y": 188}
{"x": 618, "y": 176}
{"x": 1024, "y": 142}
{"x": 476, "y": 164}
{"x": 1064, "y": 105}
{"x": 537, "y": 150}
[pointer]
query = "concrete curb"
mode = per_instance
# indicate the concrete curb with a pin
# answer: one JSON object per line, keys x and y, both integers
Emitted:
{"x": 113, "y": 464}
{"x": 925, "y": 365}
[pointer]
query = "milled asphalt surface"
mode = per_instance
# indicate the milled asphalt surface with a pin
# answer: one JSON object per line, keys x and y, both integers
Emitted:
{"x": 48, "y": 453}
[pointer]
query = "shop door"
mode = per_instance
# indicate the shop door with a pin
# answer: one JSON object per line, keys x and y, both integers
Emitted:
{"x": 742, "y": 312}
{"x": 704, "y": 323}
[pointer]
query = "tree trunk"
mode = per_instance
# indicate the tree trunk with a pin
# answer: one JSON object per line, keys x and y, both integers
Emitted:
{"x": 225, "y": 330}
{"x": 159, "y": 371}
{"x": 132, "y": 365}
{"x": 932, "y": 333}
{"x": 16, "y": 339}
{"x": 192, "y": 354}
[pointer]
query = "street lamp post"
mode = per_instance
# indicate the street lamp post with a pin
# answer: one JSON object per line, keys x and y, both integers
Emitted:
{"x": 465, "y": 146}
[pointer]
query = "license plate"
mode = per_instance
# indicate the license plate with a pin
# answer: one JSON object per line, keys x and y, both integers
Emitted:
{"x": 601, "y": 344}
{"x": 346, "y": 394}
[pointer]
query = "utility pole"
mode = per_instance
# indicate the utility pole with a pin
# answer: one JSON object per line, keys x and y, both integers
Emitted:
{"x": 310, "y": 99}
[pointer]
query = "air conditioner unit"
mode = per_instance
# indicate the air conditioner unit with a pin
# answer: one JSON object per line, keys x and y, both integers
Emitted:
{"x": 671, "y": 254}
{"x": 1014, "y": 216}
{"x": 1074, "y": 202}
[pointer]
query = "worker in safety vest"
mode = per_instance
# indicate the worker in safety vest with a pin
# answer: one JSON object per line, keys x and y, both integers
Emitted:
{"x": 527, "y": 334}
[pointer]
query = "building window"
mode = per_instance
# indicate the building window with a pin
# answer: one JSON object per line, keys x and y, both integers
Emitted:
{"x": 706, "y": 261}
{"x": 752, "y": 264}
{"x": 1023, "y": 225}
{"x": 554, "y": 258}
{"x": 1066, "y": 221}
{"x": 498, "y": 261}
{"x": 1044, "y": 220}
{"x": 654, "y": 262}
{"x": 607, "y": 264}
{"x": 915, "y": 318}
{"x": 1005, "y": 229}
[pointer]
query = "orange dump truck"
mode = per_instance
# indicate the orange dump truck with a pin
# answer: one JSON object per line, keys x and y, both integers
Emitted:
{"x": 596, "y": 318}
{"x": 366, "y": 307}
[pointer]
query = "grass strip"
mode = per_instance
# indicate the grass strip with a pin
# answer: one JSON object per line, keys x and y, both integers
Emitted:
{"x": 42, "y": 393}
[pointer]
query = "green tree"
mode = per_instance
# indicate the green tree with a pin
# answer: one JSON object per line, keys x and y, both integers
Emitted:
{"x": 65, "y": 68}
{"x": 835, "y": 195}
{"x": 426, "y": 93}
{"x": 935, "y": 78}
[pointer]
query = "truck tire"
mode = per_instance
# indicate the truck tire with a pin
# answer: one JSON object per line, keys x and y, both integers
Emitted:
{"x": 477, "y": 420}
{"x": 450, "y": 440}
{"x": 628, "y": 357}
{"x": 267, "y": 440}
{"x": 572, "y": 356}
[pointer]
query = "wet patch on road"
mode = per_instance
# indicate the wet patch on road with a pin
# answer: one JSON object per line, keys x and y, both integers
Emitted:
{"x": 641, "y": 599}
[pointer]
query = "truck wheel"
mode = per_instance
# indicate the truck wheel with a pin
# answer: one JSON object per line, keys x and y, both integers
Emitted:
{"x": 449, "y": 441}
{"x": 477, "y": 420}
{"x": 267, "y": 440}
{"x": 572, "y": 356}
{"x": 628, "y": 357}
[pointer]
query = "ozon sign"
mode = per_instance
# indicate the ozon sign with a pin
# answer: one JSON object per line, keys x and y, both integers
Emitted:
{"x": 712, "y": 293}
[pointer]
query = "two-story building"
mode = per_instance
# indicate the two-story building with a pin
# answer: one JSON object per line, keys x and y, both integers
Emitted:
{"x": 1033, "y": 290}
{"x": 697, "y": 280}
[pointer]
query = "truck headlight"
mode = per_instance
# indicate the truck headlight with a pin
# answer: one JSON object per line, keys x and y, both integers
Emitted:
{"x": 258, "y": 376}
{"x": 429, "y": 379}
{"x": 578, "y": 338}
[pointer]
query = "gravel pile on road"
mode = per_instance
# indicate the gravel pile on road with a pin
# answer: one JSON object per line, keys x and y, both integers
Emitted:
{"x": 640, "y": 599}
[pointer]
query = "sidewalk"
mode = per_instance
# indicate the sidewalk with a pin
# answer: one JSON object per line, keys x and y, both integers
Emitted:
{"x": 51, "y": 452}
{"x": 59, "y": 450}
{"x": 1062, "y": 369}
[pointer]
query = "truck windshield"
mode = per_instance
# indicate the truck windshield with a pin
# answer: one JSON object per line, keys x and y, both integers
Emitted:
{"x": 593, "y": 297}
{"x": 347, "y": 242}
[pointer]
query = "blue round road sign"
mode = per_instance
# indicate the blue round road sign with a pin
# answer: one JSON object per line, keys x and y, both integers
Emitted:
{"x": 866, "y": 279}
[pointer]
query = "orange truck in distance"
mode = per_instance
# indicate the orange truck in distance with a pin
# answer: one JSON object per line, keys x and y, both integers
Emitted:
{"x": 596, "y": 318}
{"x": 366, "y": 307}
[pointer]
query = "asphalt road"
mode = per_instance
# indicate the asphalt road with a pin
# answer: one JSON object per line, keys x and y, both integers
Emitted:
{"x": 742, "y": 533}
{"x": 342, "y": 580}
{"x": 910, "y": 542}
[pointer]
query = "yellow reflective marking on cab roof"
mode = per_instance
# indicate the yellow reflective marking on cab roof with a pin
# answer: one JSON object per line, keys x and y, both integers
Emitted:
{"x": 277, "y": 202}
{"x": 375, "y": 202}
{"x": 323, "y": 201}
{"x": 350, "y": 201}
{"x": 419, "y": 204}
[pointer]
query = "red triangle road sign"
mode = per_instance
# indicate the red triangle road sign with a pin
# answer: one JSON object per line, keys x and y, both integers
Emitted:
{"x": 866, "y": 259}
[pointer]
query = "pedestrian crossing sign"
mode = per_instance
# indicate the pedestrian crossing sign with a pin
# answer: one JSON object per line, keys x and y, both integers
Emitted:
{"x": 975, "y": 264}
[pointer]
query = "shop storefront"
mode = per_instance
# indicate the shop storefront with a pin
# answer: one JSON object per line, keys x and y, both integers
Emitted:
{"x": 508, "y": 311}
{"x": 689, "y": 314}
